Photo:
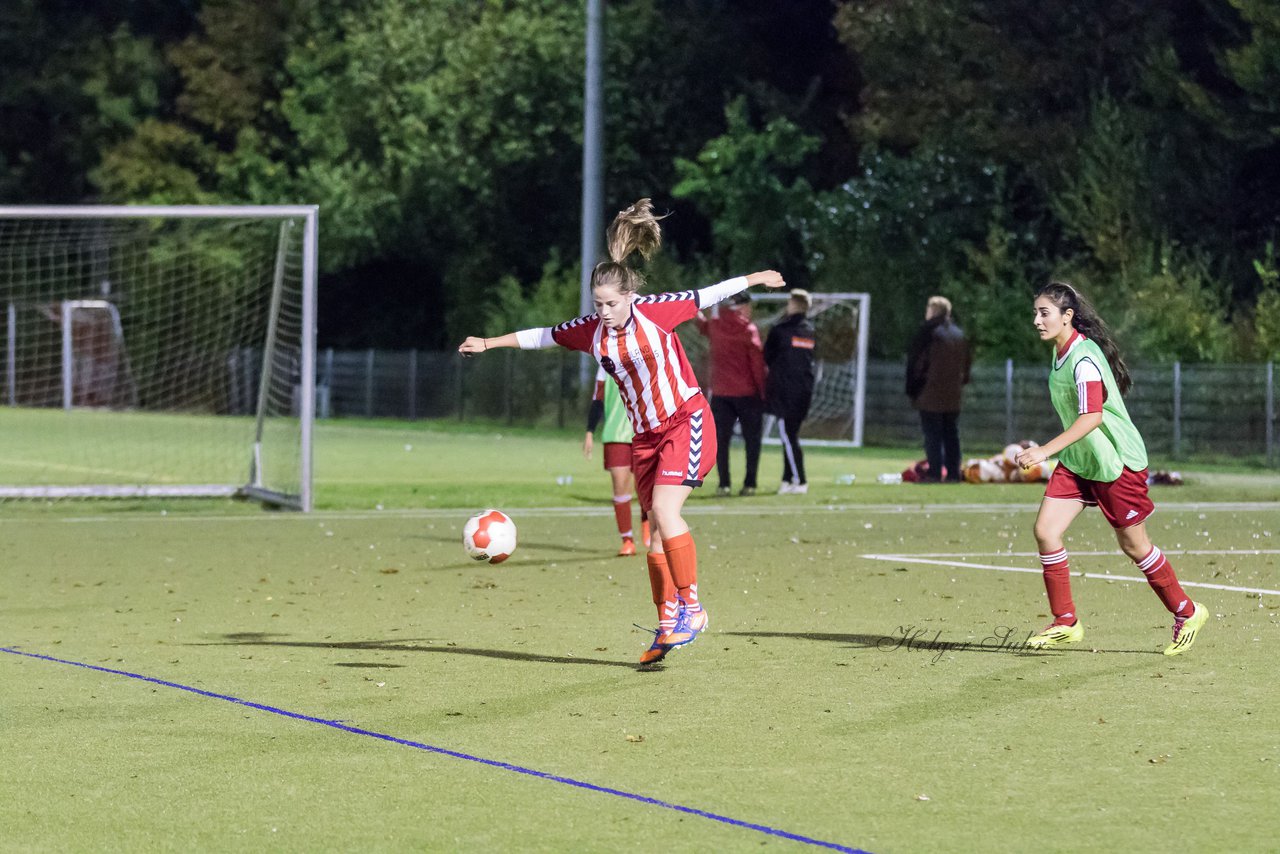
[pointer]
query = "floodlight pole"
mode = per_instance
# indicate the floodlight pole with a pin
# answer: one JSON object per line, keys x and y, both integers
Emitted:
{"x": 592, "y": 158}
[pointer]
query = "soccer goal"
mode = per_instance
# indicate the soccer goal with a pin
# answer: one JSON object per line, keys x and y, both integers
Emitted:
{"x": 158, "y": 352}
{"x": 841, "y": 321}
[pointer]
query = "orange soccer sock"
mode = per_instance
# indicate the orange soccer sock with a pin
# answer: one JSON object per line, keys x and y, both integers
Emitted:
{"x": 1057, "y": 583}
{"x": 664, "y": 591}
{"x": 622, "y": 514}
{"x": 682, "y": 556}
{"x": 1155, "y": 566}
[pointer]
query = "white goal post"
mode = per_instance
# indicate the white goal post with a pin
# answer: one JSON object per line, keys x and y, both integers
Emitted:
{"x": 158, "y": 351}
{"x": 842, "y": 320}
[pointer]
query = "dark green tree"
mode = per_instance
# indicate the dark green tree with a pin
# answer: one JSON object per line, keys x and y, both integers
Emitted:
{"x": 74, "y": 79}
{"x": 1085, "y": 106}
{"x": 745, "y": 181}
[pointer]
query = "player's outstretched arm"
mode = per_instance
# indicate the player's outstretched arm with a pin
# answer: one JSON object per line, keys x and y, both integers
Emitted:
{"x": 713, "y": 294}
{"x": 479, "y": 345}
{"x": 525, "y": 339}
{"x": 768, "y": 278}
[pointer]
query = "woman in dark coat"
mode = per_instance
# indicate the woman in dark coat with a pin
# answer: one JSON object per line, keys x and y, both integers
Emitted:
{"x": 938, "y": 364}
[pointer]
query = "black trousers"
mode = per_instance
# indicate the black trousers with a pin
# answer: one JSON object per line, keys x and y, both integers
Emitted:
{"x": 749, "y": 412}
{"x": 942, "y": 444}
{"x": 790, "y": 417}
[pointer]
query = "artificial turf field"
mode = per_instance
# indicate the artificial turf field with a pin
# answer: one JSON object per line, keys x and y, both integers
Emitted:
{"x": 203, "y": 676}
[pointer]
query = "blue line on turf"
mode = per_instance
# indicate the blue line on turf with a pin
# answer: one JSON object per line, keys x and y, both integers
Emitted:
{"x": 417, "y": 745}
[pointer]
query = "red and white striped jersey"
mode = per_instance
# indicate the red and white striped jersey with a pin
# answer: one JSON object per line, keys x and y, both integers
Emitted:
{"x": 644, "y": 357}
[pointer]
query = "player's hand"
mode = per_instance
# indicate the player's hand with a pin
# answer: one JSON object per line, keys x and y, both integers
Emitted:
{"x": 472, "y": 345}
{"x": 1032, "y": 456}
{"x": 587, "y": 445}
{"x": 768, "y": 278}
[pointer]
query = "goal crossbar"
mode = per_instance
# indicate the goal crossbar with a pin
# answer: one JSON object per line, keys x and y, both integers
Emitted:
{"x": 158, "y": 211}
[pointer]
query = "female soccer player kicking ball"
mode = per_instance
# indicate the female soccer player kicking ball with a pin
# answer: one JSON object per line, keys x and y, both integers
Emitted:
{"x": 1101, "y": 461}
{"x": 633, "y": 339}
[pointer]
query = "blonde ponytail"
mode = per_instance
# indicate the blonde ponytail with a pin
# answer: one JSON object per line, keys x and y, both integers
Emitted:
{"x": 633, "y": 230}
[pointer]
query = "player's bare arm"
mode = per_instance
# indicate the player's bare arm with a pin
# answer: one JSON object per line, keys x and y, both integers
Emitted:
{"x": 768, "y": 278}
{"x": 1081, "y": 427}
{"x": 474, "y": 344}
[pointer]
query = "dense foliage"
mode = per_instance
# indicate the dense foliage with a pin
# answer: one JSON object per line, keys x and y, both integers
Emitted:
{"x": 903, "y": 147}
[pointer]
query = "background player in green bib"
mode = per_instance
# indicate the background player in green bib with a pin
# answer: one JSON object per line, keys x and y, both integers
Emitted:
{"x": 1102, "y": 462}
{"x": 617, "y": 434}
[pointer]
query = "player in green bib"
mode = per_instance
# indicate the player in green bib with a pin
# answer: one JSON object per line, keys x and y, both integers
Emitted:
{"x": 616, "y": 435}
{"x": 1102, "y": 462}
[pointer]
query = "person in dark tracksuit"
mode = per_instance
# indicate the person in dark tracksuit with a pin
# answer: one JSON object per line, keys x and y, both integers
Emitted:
{"x": 790, "y": 357}
{"x": 938, "y": 364}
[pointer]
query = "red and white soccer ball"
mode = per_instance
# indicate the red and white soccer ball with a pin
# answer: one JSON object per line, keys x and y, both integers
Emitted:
{"x": 490, "y": 535}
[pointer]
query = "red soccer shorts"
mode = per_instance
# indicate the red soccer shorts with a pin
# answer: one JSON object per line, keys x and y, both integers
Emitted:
{"x": 617, "y": 455}
{"x": 1124, "y": 501}
{"x": 679, "y": 453}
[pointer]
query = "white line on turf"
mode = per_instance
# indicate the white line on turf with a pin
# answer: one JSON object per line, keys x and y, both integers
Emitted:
{"x": 1097, "y": 575}
{"x": 596, "y": 510}
{"x": 1074, "y": 552}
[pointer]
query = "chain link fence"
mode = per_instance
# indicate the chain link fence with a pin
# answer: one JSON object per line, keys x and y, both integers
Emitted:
{"x": 1182, "y": 410}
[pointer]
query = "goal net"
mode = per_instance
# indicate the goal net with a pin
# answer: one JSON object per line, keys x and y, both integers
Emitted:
{"x": 841, "y": 320}
{"x": 158, "y": 351}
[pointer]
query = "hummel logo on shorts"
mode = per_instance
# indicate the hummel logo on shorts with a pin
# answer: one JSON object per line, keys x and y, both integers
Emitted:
{"x": 666, "y": 473}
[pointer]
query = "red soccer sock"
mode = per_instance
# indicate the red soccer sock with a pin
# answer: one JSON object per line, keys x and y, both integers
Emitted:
{"x": 1057, "y": 583}
{"x": 664, "y": 591}
{"x": 1155, "y": 566}
{"x": 622, "y": 514}
{"x": 682, "y": 556}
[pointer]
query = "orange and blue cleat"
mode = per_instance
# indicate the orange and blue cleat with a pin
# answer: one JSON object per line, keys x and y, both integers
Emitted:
{"x": 688, "y": 626}
{"x": 656, "y": 651}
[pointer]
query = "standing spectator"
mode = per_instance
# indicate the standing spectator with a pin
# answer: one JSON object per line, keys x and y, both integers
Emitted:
{"x": 737, "y": 385}
{"x": 938, "y": 366}
{"x": 789, "y": 356}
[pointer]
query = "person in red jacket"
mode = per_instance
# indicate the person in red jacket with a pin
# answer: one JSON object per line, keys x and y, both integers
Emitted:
{"x": 737, "y": 385}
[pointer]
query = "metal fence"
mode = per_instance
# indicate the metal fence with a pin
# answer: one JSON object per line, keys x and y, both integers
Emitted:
{"x": 1182, "y": 410}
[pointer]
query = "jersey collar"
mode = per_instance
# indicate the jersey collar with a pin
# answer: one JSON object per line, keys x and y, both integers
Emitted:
{"x": 1061, "y": 354}
{"x": 626, "y": 327}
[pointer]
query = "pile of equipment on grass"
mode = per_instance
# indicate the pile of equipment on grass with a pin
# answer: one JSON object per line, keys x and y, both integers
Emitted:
{"x": 1000, "y": 468}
